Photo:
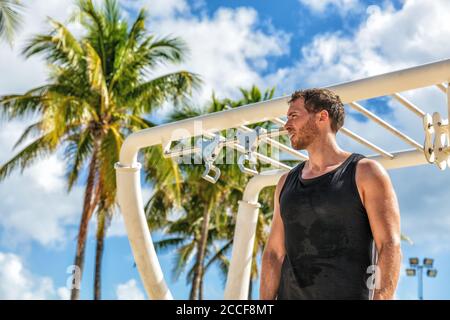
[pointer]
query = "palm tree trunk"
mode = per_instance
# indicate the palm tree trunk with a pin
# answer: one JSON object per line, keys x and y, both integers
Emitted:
{"x": 99, "y": 254}
{"x": 198, "y": 271}
{"x": 200, "y": 289}
{"x": 192, "y": 293}
{"x": 88, "y": 208}
{"x": 250, "y": 287}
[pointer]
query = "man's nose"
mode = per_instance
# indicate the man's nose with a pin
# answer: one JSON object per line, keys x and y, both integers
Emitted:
{"x": 287, "y": 125}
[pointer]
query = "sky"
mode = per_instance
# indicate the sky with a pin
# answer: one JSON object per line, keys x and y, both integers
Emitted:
{"x": 290, "y": 44}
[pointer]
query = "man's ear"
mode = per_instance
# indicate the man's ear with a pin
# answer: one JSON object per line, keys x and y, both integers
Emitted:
{"x": 323, "y": 115}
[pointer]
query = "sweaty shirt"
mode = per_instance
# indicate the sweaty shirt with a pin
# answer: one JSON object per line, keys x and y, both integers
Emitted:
{"x": 328, "y": 240}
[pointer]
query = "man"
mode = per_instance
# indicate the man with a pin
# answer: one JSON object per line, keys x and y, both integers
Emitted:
{"x": 335, "y": 232}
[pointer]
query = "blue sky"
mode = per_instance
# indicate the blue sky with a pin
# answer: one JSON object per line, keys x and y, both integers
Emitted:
{"x": 289, "y": 44}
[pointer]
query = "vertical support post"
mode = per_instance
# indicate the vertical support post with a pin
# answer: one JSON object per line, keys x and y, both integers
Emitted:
{"x": 448, "y": 102}
{"x": 238, "y": 279}
{"x": 420, "y": 277}
{"x": 131, "y": 205}
{"x": 447, "y": 132}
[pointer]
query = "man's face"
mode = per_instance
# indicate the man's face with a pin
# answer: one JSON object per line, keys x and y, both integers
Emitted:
{"x": 301, "y": 125}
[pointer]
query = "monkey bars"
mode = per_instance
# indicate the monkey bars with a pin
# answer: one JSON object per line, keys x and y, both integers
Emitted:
{"x": 434, "y": 149}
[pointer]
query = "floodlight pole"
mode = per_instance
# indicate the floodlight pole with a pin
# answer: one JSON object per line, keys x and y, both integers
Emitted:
{"x": 420, "y": 279}
{"x": 416, "y": 268}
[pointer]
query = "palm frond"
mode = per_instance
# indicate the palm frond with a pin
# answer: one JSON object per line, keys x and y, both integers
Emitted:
{"x": 126, "y": 52}
{"x": 152, "y": 94}
{"x": 93, "y": 20}
{"x": 131, "y": 122}
{"x": 32, "y": 129}
{"x": 24, "y": 105}
{"x": 76, "y": 152}
{"x": 182, "y": 258}
{"x": 10, "y": 19}
{"x": 163, "y": 172}
{"x": 109, "y": 155}
{"x": 221, "y": 252}
{"x": 185, "y": 112}
{"x": 60, "y": 46}
{"x": 167, "y": 50}
{"x": 157, "y": 210}
{"x": 404, "y": 237}
{"x": 112, "y": 13}
{"x": 39, "y": 148}
{"x": 162, "y": 245}
{"x": 96, "y": 74}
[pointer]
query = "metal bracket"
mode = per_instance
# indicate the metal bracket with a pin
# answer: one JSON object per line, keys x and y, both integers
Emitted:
{"x": 437, "y": 140}
{"x": 133, "y": 167}
{"x": 249, "y": 140}
{"x": 210, "y": 149}
{"x": 166, "y": 146}
{"x": 428, "y": 144}
{"x": 208, "y": 168}
{"x": 441, "y": 141}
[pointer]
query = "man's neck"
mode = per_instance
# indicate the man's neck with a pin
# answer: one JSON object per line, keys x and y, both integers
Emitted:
{"x": 325, "y": 153}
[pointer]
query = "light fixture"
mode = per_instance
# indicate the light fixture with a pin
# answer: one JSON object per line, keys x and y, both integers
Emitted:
{"x": 432, "y": 273}
{"x": 413, "y": 261}
{"x": 417, "y": 269}
{"x": 428, "y": 262}
{"x": 411, "y": 272}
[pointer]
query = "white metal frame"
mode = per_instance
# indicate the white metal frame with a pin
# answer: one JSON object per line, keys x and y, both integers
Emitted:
{"x": 128, "y": 169}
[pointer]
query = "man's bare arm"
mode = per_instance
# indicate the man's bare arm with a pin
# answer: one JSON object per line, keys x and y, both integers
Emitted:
{"x": 382, "y": 208}
{"x": 274, "y": 252}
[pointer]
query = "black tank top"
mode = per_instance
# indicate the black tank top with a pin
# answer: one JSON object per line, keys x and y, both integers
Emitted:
{"x": 328, "y": 240}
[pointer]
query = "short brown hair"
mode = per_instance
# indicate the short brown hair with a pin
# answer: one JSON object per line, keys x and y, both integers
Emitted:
{"x": 316, "y": 100}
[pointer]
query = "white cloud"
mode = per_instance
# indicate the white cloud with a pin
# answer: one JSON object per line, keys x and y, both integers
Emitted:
{"x": 228, "y": 50}
{"x": 116, "y": 228}
{"x": 387, "y": 40}
{"x": 63, "y": 293}
{"x": 129, "y": 291}
{"x": 35, "y": 205}
{"x": 158, "y": 8}
{"x": 24, "y": 74}
{"x": 425, "y": 215}
{"x": 320, "y": 6}
{"x": 16, "y": 282}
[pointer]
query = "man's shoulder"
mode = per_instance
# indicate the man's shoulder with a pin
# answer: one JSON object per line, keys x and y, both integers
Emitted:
{"x": 369, "y": 170}
{"x": 282, "y": 179}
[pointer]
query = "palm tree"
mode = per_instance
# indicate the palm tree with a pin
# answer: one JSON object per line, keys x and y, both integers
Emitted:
{"x": 99, "y": 91}
{"x": 10, "y": 19}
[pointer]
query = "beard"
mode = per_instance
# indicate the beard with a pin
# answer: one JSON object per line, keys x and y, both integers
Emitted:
{"x": 305, "y": 135}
